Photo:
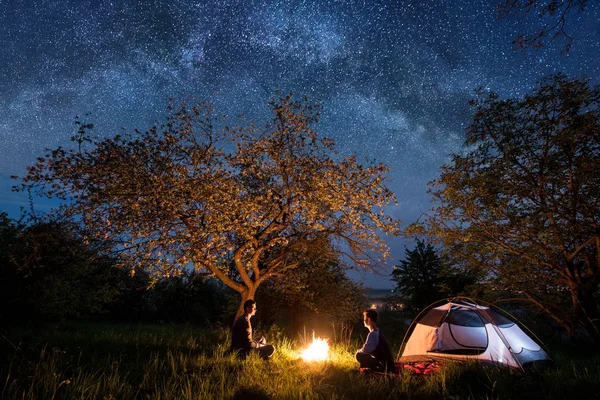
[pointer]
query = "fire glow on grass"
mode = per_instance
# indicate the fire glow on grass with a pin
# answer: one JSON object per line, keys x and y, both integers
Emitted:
{"x": 317, "y": 351}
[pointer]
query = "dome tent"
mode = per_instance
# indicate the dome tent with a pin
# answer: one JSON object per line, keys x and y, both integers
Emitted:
{"x": 461, "y": 329}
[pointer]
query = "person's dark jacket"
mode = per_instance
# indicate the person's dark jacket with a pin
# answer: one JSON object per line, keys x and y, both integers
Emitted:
{"x": 383, "y": 354}
{"x": 241, "y": 336}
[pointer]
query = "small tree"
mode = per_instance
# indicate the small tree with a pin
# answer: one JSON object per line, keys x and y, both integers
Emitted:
{"x": 522, "y": 201}
{"x": 423, "y": 278}
{"x": 417, "y": 278}
{"x": 191, "y": 195}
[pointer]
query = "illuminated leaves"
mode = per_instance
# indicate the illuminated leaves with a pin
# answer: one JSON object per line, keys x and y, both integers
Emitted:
{"x": 196, "y": 193}
{"x": 523, "y": 200}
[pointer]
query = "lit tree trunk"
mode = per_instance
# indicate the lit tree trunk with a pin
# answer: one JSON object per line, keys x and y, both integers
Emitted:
{"x": 247, "y": 294}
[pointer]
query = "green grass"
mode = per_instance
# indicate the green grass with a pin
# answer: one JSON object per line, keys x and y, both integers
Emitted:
{"x": 179, "y": 362}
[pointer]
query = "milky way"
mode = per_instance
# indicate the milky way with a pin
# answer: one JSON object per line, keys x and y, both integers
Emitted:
{"x": 394, "y": 76}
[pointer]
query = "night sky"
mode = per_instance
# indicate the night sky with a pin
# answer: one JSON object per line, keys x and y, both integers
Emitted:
{"x": 394, "y": 76}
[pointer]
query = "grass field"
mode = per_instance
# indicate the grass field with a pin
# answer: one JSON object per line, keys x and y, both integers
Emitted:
{"x": 82, "y": 361}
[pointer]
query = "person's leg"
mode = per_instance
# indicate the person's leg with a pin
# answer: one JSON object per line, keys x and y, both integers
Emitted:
{"x": 378, "y": 366}
{"x": 366, "y": 360}
{"x": 266, "y": 351}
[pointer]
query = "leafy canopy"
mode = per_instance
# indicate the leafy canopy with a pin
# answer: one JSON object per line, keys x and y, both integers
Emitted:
{"x": 196, "y": 193}
{"x": 522, "y": 200}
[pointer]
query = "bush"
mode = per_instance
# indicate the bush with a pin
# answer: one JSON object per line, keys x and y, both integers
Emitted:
{"x": 317, "y": 295}
{"x": 47, "y": 273}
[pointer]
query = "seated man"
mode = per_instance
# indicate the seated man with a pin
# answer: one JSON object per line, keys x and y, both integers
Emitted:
{"x": 241, "y": 335}
{"x": 376, "y": 353}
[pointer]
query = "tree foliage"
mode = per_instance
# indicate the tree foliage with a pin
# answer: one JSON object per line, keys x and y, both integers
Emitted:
{"x": 522, "y": 200}
{"x": 46, "y": 273}
{"x": 417, "y": 278}
{"x": 194, "y": 193}
{"x": 187, "y": 298}
{"x": 316, "y": 294}
{"x": 556, "y": 10}
{"x": 422, "y": 278}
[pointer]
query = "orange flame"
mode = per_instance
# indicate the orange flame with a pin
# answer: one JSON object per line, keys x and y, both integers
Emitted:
{"x": 317, "y": 351}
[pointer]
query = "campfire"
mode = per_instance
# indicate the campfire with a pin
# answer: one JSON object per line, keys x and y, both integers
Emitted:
{"x": 317, "y": 351}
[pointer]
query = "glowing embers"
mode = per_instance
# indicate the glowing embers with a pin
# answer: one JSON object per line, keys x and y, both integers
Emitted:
{"x": 317, "y": 351}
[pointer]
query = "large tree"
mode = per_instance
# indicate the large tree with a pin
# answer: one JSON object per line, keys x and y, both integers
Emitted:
{"x": 522, "y": 200}
{"x": 194, "y": 193}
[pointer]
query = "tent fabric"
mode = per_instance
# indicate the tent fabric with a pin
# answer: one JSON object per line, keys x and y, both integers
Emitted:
{"x": 463, "y": 330}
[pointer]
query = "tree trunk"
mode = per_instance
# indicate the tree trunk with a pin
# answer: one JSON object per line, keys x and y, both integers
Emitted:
{"x": 586, "y": 310}
{"x": 247, "y": 294}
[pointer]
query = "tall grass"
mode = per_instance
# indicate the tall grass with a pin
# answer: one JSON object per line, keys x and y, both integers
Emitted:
{"x": 180, "y": 362}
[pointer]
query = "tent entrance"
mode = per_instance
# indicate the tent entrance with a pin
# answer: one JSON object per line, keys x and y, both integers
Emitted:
{"x": 462, "y": 331}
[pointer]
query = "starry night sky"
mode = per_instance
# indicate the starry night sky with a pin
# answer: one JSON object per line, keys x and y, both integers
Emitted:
{"x": 394, "y": 76}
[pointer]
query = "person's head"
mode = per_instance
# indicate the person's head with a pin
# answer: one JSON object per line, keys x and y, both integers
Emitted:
{"x": 250, "y": 307}
{"x": 370, "y": 318}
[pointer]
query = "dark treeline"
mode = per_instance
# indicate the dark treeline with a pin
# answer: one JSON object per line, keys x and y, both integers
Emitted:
{"x": 49, "y": 272}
